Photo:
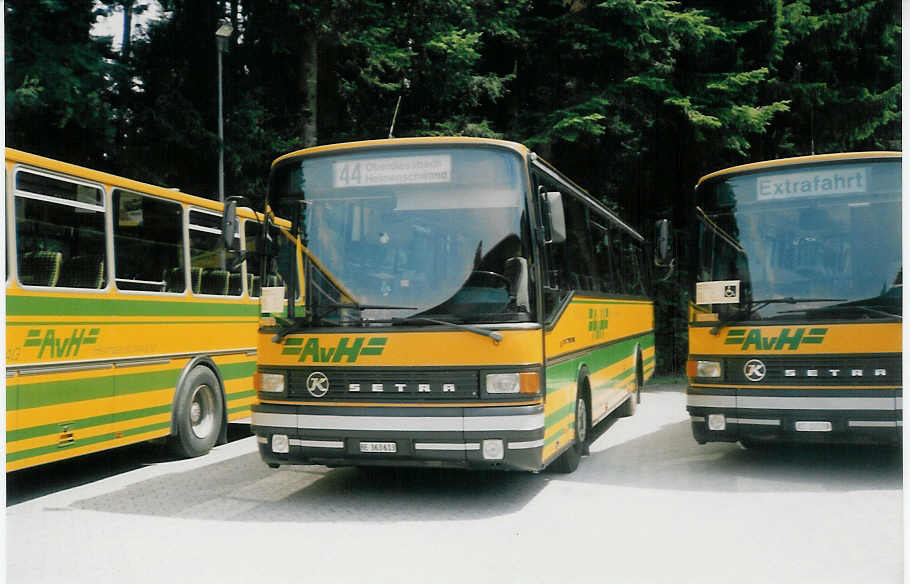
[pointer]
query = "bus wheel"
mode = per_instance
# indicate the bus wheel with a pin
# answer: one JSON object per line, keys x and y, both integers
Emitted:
{"x": 631, "y": 405}
{"x": 197, "y": 414}
{"x": 569, "y": 459}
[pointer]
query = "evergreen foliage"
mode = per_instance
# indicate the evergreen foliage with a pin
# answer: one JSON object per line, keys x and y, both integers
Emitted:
{"x": 634, "y": 99}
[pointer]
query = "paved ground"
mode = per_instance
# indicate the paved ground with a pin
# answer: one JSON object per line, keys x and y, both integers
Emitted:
{"x": 648, "y": 505}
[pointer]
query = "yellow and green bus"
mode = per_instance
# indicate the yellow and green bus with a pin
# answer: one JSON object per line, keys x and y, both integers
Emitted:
{"x": 795, "y": 332}
{"x": 124, "y": 319}
{"x": 465, "y": 305}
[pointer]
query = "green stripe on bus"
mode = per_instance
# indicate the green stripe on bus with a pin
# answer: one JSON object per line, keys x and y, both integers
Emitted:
{"x": 241, "y": 395}
{"x": 14, "y": 456}
{"x": 107, "y": 306}
{"x": 50, "y": 429}
{"x": 51, "y": 393}
{"x": 557, "y": 415}
{"x": 84, "y": 423}
{"x": 239, "y": 409}
{"x": 237, "y": 370}
{"x": 597, "y": 359}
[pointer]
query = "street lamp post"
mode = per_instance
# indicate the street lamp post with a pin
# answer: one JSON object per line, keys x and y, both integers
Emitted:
{"x": 222, "y": 36}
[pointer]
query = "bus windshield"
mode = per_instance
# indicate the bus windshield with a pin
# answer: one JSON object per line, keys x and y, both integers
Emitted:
{"x": 397, "y": 233}
{"x": 814, "y": 242}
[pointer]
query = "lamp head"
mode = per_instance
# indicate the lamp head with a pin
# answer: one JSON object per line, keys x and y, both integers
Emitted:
{"x": 225, "y": 30}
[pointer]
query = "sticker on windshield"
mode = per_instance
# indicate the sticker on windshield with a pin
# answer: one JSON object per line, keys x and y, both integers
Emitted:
{"x": 401, "y": 170}
{"x": 718, "y": 292}
{"x": 272, "y": 299}
{"x": 812, "y": 184}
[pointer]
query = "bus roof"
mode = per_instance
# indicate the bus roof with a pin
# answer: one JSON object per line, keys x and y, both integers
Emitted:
{"x": 430, "y": 140}
{"x": 770, "y": 164}
{"x": 117, "y": 181}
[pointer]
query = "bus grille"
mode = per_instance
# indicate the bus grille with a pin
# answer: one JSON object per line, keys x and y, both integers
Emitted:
{"x": 392, "y": 384}
{"x": 846, "y": 371}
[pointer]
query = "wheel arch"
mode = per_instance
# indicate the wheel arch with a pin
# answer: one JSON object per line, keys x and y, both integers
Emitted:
{"x": 200, "y": 361}
{"x": 583, "y": 384}
{"x": 638, "y": 356}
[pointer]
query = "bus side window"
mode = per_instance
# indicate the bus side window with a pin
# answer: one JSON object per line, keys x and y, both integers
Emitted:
{"x": 148, "y": 243}
{"x": 635, "y": 283}
{"x": 60, "y": 239}
{"x": 603, "y": 254}
{"x": 582, "y": 268}
{"x": 209, "y": 258}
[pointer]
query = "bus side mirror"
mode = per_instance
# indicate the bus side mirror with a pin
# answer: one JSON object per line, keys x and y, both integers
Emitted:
{"x": 557, "y": 217}
{"x": 230, "y": 226}
{"x": 663, "y": 244}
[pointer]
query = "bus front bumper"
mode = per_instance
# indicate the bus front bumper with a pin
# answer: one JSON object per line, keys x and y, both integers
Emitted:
{"x": 848, "y": 417}
{"x": 507, "y": 437}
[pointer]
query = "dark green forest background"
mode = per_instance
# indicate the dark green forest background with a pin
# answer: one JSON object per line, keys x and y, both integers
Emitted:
{"x": 633, "y": 99}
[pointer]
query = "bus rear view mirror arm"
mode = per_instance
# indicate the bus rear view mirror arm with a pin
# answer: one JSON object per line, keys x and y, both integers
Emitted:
{"x": 557, "y": 217}
{"x": 230, "y": 225}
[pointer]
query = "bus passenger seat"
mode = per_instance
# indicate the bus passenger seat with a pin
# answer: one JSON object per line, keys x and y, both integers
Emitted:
{"x": 40, "y": 268}
{"x": 214, "y": 282}
{"x": 235, "y": 285}
{"x": 253, "y": 285}
{"x": 83, "y": 271}
{"x": 196, "y": 279}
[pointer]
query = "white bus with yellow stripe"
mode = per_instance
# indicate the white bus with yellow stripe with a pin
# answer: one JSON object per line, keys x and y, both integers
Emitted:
{"x": 124, "y": 321}
{"x": 795, "y": 332}
{"x": 465, "y": 305}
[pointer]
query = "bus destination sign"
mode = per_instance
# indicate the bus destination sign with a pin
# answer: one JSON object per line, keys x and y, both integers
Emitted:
{"x": 811, "y": 184}
{"x": 401, "y": 170}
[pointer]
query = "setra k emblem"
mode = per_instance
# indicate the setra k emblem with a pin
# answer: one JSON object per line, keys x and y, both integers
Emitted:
{"x": 317, "y": 384}
{"x": 754, "y": 370}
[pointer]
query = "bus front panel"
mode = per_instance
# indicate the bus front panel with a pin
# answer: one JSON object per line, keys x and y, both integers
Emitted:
{"x": 402, "y": 398}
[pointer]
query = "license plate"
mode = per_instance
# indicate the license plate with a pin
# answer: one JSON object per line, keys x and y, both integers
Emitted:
{"x": 378, "y": 447}
{"x": 813, "y": 426}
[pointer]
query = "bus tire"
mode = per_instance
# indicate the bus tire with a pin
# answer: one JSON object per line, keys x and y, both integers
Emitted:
{"x": 631, "y": 406}
{"x": 198, "y": 414}
{"x": 568, "y": 460}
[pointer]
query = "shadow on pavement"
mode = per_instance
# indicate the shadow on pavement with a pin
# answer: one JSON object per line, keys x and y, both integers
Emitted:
{"x": 671, "y": 459}
{"x": 31, "y": 483}
{"x": 244, "y": 489}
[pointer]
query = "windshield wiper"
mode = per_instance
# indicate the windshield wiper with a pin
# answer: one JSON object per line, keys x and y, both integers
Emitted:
{"x": 291, "y": 328}
{"x": 318, "y": 316}
{"x": 759, "y": 304}
{"x": 867, "y": 309}
{"x": 465, "y": 327}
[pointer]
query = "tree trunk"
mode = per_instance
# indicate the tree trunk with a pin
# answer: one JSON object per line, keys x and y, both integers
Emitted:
{"x": 127, "y": 28}
{"x": 309, "y": 67}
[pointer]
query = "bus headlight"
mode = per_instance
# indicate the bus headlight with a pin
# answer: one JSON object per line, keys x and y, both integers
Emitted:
{"x": 527, "y": 382}
{"x": 270, "y": 382}
{"x": 703, "y": 369}
{"x": 503, "y": 383}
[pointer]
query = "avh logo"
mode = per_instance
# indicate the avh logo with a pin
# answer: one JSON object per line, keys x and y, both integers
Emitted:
{"x": 52, "y": 346}
{"x": 346, "y": 348}
{"x": 786, "y": 339}
{"x": 598, "y": 321}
